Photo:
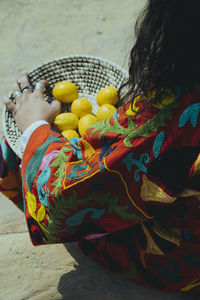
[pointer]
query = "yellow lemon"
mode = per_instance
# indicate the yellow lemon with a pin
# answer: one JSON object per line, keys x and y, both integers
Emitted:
{"x": 65, "y": 91}
{"x": 108, "y": 95}
{"x": 105, "y": 111}
{"x": 85, "y": 122}
{"x": 70, "y": 133}
{"x": 65, "y": 121}
{"x": 81, "y": 107}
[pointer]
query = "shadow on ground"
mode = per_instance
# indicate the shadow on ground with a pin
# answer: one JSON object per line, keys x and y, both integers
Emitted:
{"x": 89, "y": 281}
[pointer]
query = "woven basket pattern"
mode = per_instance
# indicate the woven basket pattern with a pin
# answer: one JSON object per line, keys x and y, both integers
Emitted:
{"x": 89, "y": 73}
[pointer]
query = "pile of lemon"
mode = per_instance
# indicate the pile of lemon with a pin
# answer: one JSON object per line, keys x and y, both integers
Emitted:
{"x": 75, "y": 123}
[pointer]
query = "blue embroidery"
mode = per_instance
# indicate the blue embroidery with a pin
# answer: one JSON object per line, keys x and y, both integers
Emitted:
{"x": 190, "y": 113}
{"x": 35, "y": 162}
{"x": 102, "y": 167}
{"x": 116, "y": 114}
{"x": 77, "y": 151}
{"x": 130, "y": 161}
{"x": 80, "y": 166}
{"x": 178, "y": 90}
{"x": 158, "y": 143}
{"x": 43, "y": 193}
{"x": 106, "y": 148}
{"x": 78, "y": 217}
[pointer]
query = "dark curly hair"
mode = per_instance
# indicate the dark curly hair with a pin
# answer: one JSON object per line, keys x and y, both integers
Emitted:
{"x": 167, "y": 49}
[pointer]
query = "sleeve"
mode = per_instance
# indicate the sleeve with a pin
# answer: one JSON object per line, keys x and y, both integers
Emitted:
{"x": 10, "y": 174}
{"x": 76, "y": 188}
{"x": 28, "y": 132}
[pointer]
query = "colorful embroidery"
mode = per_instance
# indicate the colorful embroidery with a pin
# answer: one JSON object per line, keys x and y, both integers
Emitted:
{"x": 130, "y": 161}
{"x": 60, "y": 163}
{"x": 133, "y": 108}
{"x": 96, "y": 192}
{"x": 151, "y": 125}
{"x": 152, "y": 192}
{"x": 47, "y": 159}
{"x": 159, "y": 140}
{"x": 35, "y": 162}
{"x": 76, "y": 149}
{"x": 43, "y": 191}
{"x": 37, "y": 215}
{"x": 191, "y": 113}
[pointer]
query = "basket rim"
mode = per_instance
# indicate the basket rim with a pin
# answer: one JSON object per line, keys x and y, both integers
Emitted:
{"x": 86, "y": 56}
{"x": 105, "y": 60}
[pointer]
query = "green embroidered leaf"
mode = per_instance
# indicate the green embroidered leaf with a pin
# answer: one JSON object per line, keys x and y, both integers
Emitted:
{"x": 152, "y": 125}
{"x": 104, "y": 126}
{"x": 60, "y": 163}
{"x": 61, "y": 157}
{"x": 122, "y": 211}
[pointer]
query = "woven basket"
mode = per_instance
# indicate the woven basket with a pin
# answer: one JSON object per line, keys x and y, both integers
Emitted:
{"x": 89, "y": 73}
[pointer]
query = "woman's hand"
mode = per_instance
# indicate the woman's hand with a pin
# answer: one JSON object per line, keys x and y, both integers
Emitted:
{"x": 31, "y": 106}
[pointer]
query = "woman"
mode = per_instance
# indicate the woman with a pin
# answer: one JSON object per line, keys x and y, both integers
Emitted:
{"x": 128, "y": 192}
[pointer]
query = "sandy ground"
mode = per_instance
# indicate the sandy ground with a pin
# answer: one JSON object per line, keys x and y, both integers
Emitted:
{"x": 33, "y": 32}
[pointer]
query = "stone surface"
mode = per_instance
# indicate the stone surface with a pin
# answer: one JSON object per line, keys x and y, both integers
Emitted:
{"x": 33, "y": 32}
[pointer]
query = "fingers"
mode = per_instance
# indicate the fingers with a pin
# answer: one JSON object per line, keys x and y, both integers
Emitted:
{"x": 56, "y": 106}
{"x": 25, "y": 82}
{"x": 15, "y": 86}
{"x": 9, "y": 104}
{"x": 40, "y": 87}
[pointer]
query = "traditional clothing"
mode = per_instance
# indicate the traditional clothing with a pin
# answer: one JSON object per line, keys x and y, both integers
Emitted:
{"x": 127, "y": 193}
